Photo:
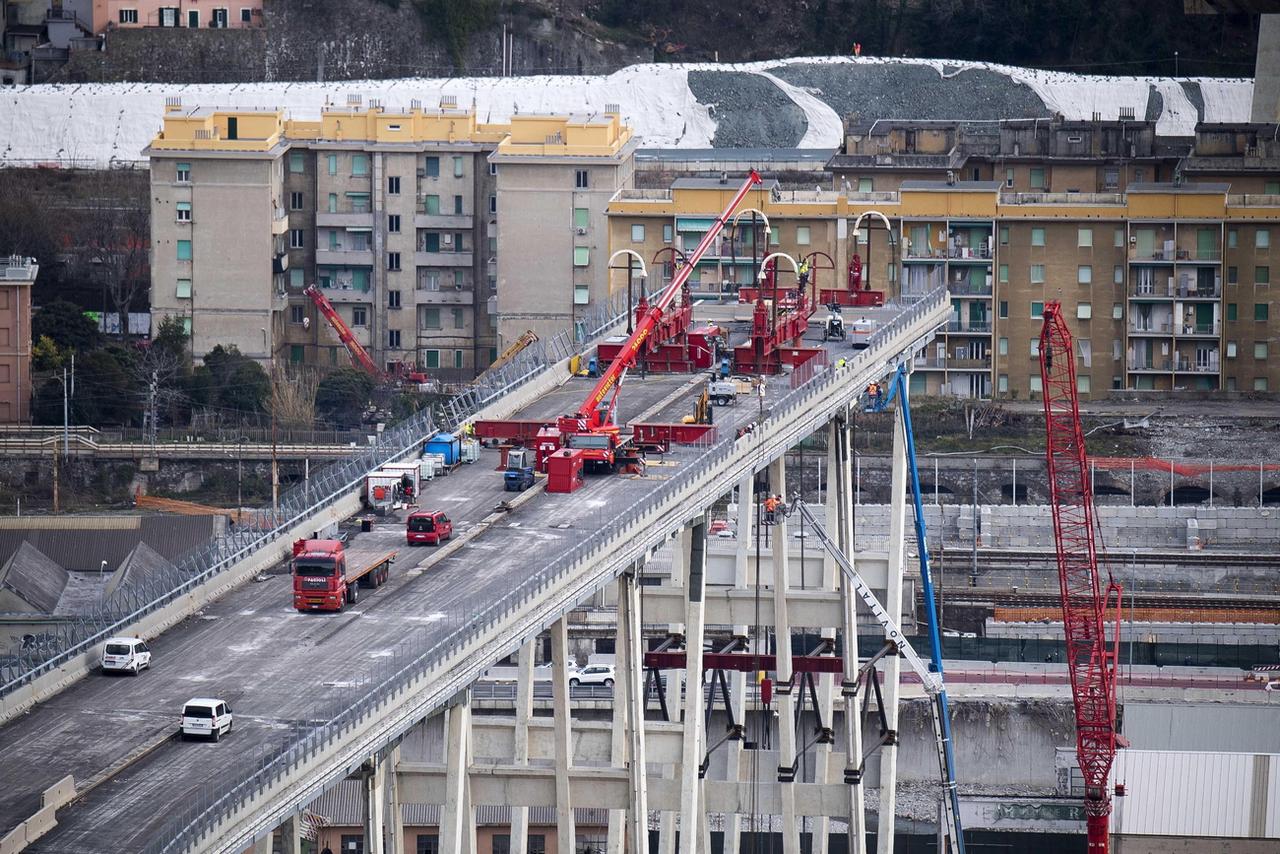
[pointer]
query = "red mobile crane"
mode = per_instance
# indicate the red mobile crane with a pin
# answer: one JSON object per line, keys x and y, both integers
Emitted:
{"x": 593, "y": 429}
{"x": 359, "y": 355}
{"x": 1090, "y": 662}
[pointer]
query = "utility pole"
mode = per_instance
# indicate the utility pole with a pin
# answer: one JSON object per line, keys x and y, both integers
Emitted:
{"x": 275, "y": 469}
{"x": 66, "y": 430}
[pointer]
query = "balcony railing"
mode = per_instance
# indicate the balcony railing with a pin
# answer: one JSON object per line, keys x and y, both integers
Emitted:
{"x": 1153, "y": 327}
{"x": 1196, "y": 329}
{"x": 1192, "y": 366}
{"x": 1197, "y": 254}
{"x": 1254, "y": 200}
{"x": 934, "y": 363}
{"x": 1160, "y": 365}
{"x": 958, "y": 289}
{"x": 969, "y": 253}
{"x": 1188, "y": 289}
{"x": 1062, "y": 198}
{"x": 969, "y": 326}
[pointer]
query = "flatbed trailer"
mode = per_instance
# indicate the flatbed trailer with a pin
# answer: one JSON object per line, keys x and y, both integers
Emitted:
{"x": 327, "y": 574}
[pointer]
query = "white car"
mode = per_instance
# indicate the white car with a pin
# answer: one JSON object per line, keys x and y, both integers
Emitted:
{"x": 592, "y": 674}
{"x": 125, "y": 655}
{"x": 205, "y": 716}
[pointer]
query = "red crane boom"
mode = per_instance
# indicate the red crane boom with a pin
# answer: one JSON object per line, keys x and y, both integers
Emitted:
{"x": 1090, "y": 662}
{"x": 359, "y": 355}
{"x": 591, "y": 415}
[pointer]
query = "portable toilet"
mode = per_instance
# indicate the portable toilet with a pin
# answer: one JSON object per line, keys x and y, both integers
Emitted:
{"x": 446, "y": 444}
{"x": 564, "y": 470}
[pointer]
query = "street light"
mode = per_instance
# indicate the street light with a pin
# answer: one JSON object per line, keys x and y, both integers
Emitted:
{"x": 632, "y": 257}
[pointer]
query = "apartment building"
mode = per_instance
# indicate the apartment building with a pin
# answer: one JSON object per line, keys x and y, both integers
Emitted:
{"x": 1167, "y": 282}
{"x": 555, "y": 179}
{"x": 393, "y": 215}
{"x": 102, "y": 15}
{"x": 17, "y": 275}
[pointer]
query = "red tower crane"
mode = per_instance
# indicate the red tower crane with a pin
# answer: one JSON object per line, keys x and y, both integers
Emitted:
{"x": 1091, "y": 663}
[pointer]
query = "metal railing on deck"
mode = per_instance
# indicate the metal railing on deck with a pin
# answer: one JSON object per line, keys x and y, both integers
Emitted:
{"x": 465, "y": 623}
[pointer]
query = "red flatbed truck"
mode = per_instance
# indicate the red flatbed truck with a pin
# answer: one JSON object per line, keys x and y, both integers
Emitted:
{"x": 327, "y": 575}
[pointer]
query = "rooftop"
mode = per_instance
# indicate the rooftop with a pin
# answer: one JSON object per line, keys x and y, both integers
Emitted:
{"x": 732, "y": 183}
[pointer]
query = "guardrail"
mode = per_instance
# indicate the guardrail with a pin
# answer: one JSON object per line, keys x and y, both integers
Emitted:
{"x": 263, "y": 527}
{"x": 423, "y": 673}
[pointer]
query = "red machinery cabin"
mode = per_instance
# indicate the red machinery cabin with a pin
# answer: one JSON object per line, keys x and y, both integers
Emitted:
{"x": 430, "y": 527}
{"x": 564, "y": 470}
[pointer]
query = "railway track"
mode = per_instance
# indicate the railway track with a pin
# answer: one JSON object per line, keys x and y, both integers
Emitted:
{"x": 1009, "y": 599}
{"x": 1116, "y": 558}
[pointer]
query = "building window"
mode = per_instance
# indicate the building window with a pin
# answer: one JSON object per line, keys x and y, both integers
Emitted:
{"x": 430, "y": 242}
{"x": 1117, "y": 311}
{"x": 184, "y": 173}
{"x": 351, "y": 844}
{"x": 431, "y": 318}
{"x": 393, "y": 339}
{"x": 581, "y": 256}
{"x": 459, "y": 318}
{"x": 1110, "y": 179}
{"x": 1262, "y": 238}
{"x": 1260, "y": 384}
{"x": 184, "y": 250}
{"x": 1117, "y": 274}
{"x": 493, "y": 203}
{"x": 802, "y": 235}
{"x": 1034, "y": 384}
{"x": 431, "y": 205}
{"x": 246, "y": 15}
{"x": 1262, "y": 311}
{"x": 295, "y": 277}
{"x": 393, "y": 223}
{"x": 184, "y": 211}
{"x": 1260, "y": 350}
{"x": 184, "y": 289}
{"x": 1084, "y": 274}
{"x": 1037, "y": 236}
{"x": 431, "y": 167}
{"x": 1233, "y": 275}
{"x": 1233, "y": 238}
{"x": 1003, "y": 347}
{"x": 128, "y": 16}
{"x": 1271, "y": 188}
{"x": 1008, "y": 177}
{"x": 1034, "y": 348}
{"x": 1037, "y": 310}
{"x": 580, "y": 179}
{"x": 359, "y": 165}
{"x": 581, "y": 216}
{"x": 1037, "y": 178}
{"x": 1231, "y": 349}
{"x": 1037, "y": 274}
{"x": 1004, "y": 309}
{"x": 1002, "y": 384}
{"x": 296, "y": 201}
{"x": 1004, "y": 235}
{"x": 1232, "y": 311}
{"x": 637, "y": 233}
{"x": 1119, "y": 239}
{"x": 1004, "y": 273}
{"x": 1084, "y": 237}
{"x": 333, "y": 164}
{"x": 1261, "y": 275}
{"x": 667, "y": 234}
{"x": 431, "y": 358}
{"x": 493, "y": 168}
{"x": 297, "y": 314}
{"x": 296, "y": 238}
{"x": 457, "y": 166}
{"x": 359, "y": 315}
{"x": 457, "y": 205}
{"x": 393, "y": 185}
{"x": 581, "y": 294}
{"x": 393, "y": 260}
{"x": 1083, "y": 383}
{"x": 186, "y": 326}
{"x": 393, "y": 299}
{"x": 296, "y": 163}
{"x": 775, "y": 235}
{"x": 1084, "y": 311}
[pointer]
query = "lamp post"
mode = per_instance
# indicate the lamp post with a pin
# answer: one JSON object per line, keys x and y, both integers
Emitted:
{"x": 632, "y": 258}
{"x": 275, "y": 469}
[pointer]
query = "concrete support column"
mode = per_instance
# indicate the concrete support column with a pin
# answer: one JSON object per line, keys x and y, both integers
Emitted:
{"x": 524, "y": 711}
{"x": 893, "y": 664}
{"x": 291, "y": 835}
{"x": 375, "y": 802}
{"x": 618, "y": 750}
{"x": 393, "y": 827}
{"x": 679, "y": 568}
{"x": 566, "y": 832}
{"x": 784, "y": 696}
{"x": 637, "y": 835}
{"x": 694, "y": 746}
{"x": 457, "y": 823}
{"x": 843, "y": 501}
{"x": 738, "y": 681}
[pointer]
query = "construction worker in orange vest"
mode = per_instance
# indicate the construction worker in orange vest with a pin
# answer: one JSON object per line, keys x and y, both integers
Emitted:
{"x": 770, "y": 509}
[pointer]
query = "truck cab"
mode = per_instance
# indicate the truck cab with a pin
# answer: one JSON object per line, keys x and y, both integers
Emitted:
{"x": 431, "y": 527}
{"x": 319, "y": 575}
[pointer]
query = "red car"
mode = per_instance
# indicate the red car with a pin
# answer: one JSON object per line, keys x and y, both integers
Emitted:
{"x": 428, "y": 526}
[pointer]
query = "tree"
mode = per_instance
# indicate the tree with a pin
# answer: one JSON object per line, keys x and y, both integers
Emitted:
{"x": 66, "y": 324}
{"x": 171, "y": 336}
{"x": 229, "y": 380}
{"x": 46, "y": 355}
{"x": 343, "y": 395}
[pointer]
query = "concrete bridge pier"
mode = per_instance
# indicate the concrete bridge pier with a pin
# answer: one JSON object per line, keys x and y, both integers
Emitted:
{"x": 679, "y": 570}
{"x": 457, "y": 819}
{"x": 738, "y": 681}
{"x": 563, "y": 727}
{"x": 784, "y": 694}
{"x": 840, "y": 496}
{"x": 693, "y": 819}
{"x": 523, "y": 713}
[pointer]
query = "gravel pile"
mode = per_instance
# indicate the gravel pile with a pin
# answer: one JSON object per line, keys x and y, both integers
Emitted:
{"x": 749, "y": 110}
{"x": 905, "y": 91}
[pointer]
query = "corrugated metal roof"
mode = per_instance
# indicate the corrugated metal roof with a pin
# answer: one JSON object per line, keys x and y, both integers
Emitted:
{"x": 33, "y": 577}
{"x": 1197, "y": 794}
{"x": 96, "y": 539}
{"x": 343, "y": 806}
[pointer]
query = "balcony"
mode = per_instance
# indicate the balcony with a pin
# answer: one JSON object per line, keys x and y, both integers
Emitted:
{"x": 1198, "y": 256}
{"x": 442, "y": 259}
{"x": 970, "y": 254}
{"x": 1150, "y": 366}
{"x": 968, "y": 289}
{"x": 969, "y": 327}
{"x": 952, "y": 363}
{"x": 359, "y": 218}
{"x": 279, "y": 263}
{"x": 344, "y": 257}
{"x": 1187, "y": 365}
{"x": 444, "y": 222}
{"x": 1197, "y": 330}
{"x": 1062, "y": 198}
{"x": 347, "y": 292}
{"x": 1161, "y": 328}
{"x": 925, "y": 256}
{"x": 447, "y": 295}
{"x": 1254, "y": 200}
{"x": 280, "y": 221}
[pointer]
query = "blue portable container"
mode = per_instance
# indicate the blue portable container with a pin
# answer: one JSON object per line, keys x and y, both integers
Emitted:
{"x": 447, "y": 445}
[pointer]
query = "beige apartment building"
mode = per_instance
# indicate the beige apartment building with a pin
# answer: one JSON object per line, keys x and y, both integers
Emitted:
{"x": 1165, "y": 274}
{"x": 17, "y": 275}
{"x": 393, "y": 215}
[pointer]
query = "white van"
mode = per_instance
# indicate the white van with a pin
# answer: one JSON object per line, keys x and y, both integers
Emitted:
{"x": 204, "y": 716}
{"x": 125, "y": 655}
